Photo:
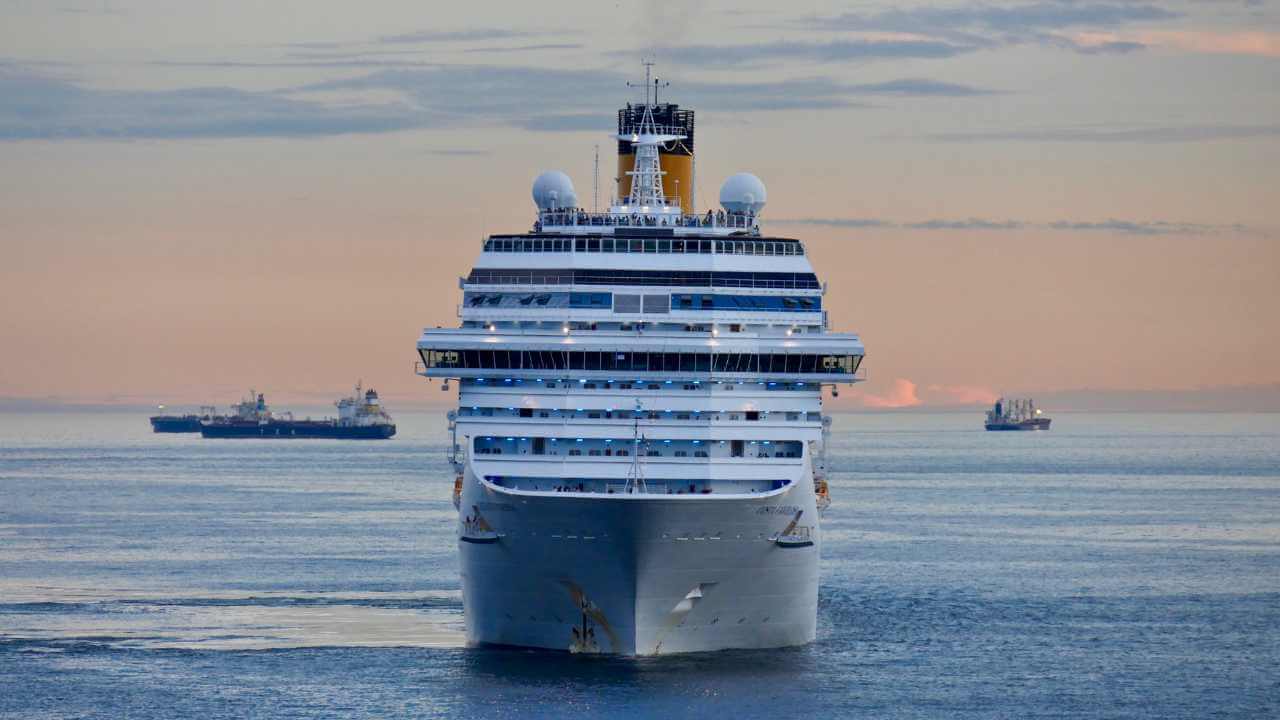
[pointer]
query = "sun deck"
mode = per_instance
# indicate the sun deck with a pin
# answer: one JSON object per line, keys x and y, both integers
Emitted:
{"x": 659, "y": 221}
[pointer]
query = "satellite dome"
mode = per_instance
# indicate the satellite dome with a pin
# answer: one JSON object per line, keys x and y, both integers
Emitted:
{"x": 743, "y": 193}
{"x": 553, "y": 190}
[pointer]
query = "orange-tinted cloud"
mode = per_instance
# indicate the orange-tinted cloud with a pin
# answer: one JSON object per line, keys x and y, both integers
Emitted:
{"x": 959, "y": 395}
{"x": 1264, "y": 44}
{"x": 901, "y": 395}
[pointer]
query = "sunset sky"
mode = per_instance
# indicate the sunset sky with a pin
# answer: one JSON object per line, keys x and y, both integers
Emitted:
{"x": 1036, "y": 197}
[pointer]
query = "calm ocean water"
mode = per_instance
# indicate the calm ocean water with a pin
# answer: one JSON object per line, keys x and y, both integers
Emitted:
{"x": 1118, "y": 566}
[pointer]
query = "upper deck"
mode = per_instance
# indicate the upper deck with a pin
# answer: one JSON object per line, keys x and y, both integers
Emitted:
{"x": 665, "y": 220}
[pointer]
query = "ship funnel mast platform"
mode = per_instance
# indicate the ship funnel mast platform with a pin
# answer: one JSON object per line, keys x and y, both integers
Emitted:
{"x": 646, "y": 204}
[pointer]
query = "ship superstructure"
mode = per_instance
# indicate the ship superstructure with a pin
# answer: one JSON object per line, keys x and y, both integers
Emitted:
{"x": 1016, "y": 414}
{"x": 639, "y": 433}
{"x": 189, "y": 423}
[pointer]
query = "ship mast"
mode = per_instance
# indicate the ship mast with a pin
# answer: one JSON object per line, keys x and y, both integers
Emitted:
{"x": 647, "y": 196}
{"x": 635, "y": 474}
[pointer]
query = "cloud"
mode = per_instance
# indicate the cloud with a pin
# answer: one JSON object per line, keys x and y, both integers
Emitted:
{"x": 1030, "y": 16}
{"x": 902, "y": 394}
{"x": 309, "y": 53}
{"x": 352, "y": 60}
{"x": 48, "y": 107}
{"x": 493, "y": 94}
{"x": 918, "y": 87}
{"x": 973, "y": 27}
{"x": 40, "y": 107}
{"x": 525, "y": 48}
{"x": 1250, "y": 42}
{"x": 505, "y": 94}
{"x": 1124, "y": 227}
{"x": 571, "y": 122}
{"x": 451, "y": 36}
{"x": 835, "y": 222}
{"x": 1148, "y": 134}
{"x": 752, "y": 55}
{"x": 1130, "y": 227}
{"x": 970, "y": 224}
{"x": 959, "y": 395}
{"x": 1116, "y": 47}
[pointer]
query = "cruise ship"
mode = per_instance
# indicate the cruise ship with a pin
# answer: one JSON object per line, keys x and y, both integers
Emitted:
{"x": 639, "y": 438}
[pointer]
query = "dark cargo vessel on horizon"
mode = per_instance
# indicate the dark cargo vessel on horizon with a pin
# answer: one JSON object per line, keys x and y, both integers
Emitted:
{"x": 1015, "y": 414}
{"x": 360, "y": 417}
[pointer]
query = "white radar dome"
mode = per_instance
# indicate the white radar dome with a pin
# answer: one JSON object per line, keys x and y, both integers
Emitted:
{"x": 553, "y": 190}
{"x": 743, "y": 193}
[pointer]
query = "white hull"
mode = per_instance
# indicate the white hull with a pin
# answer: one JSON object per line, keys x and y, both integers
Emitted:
{"x": 658, "y": 574}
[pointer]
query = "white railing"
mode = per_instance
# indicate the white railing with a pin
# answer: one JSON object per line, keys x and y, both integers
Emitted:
{"x": 643, "y": 128}
{"x": 582, "y": 218}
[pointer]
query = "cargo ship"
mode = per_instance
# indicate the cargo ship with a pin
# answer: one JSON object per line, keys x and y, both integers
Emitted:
{"x": 1016, "y": 414}
{"x": 360, "y": 417}
{"x": 189, "y": 423}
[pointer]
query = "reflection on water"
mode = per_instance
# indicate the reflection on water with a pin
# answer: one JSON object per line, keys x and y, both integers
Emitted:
{"x": 230, "y": 622}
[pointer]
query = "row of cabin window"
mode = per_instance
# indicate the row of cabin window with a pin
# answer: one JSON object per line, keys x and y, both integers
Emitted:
{"x": 651, "y": 303}
{"x": 708, "y": 415}
{"x": 645, "y": 245}
{"x": 690, "y": 278}
{"x": 640, "y": 385}
{"x": 640, "y": 361}
{"x": 608, "y": 448}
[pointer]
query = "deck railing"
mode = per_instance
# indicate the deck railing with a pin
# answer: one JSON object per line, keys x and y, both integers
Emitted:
{"x": 710, "y": 220}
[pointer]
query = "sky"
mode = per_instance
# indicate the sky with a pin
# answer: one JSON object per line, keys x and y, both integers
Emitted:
{"x": 1009, "y": 197}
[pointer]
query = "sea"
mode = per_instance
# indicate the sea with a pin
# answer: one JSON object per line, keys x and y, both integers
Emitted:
{"x": 1117, "y": 566}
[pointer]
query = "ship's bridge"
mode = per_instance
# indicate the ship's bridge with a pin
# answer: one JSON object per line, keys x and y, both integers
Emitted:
{"x": 476, "y": 352}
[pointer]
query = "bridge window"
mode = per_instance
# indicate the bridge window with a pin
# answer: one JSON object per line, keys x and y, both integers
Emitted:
{"x": 593, "y": 360}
